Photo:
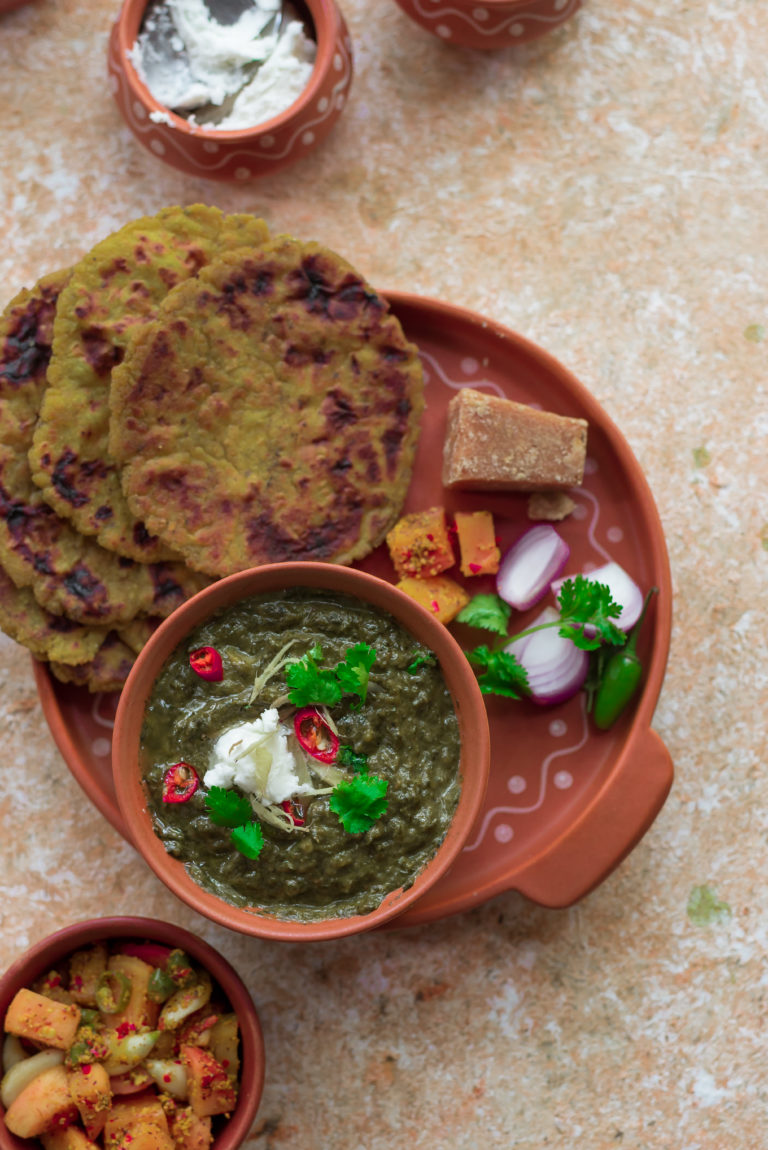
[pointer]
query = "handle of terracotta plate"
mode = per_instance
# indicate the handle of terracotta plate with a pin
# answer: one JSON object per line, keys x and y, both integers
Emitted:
{"x": 607, "y": 833}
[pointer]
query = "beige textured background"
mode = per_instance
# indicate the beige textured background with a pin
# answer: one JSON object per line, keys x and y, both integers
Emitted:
{"x": 604, "y": 193}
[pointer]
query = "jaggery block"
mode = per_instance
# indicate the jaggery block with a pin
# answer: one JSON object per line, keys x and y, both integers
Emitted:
{"x": 443, "y": 596}
{"x": 476, "y": 534}
{"x": 419, "y": 544}
{"x": 495, "y": 444}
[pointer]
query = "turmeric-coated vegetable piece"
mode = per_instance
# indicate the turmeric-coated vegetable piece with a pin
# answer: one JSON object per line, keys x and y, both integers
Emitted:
{"x": 139, "y": 1010}
{"x": 190, "y": 1131}
{"x": 442, "y": 596}
{"x": 210, "y": 1089}
{"x": 70, "y": 1138}
{"x": 91, "y": 1093}
{"x": 419, "y": 544}
{"x": 137, "y": 1123}
{"x": 85, "y": 969}
{"x": 42, "y": 1020}
{"x": 477, "y": 543}
{"x": 44, "y": 1105}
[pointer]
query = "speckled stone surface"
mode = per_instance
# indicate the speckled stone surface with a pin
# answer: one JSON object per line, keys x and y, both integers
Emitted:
{"x": 602, "y": 191}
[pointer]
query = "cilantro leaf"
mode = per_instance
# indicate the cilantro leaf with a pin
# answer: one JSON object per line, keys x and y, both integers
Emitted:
{"x": 227, "y": 808}
{"x": 353, "y": 673}
{"x": 359, "y": 802}
{"x": 310, "y": 684}
{"x": 501, "y": 673}
{"x": 428, "y": 660}
{"x": 346, "y": 757}
{"x": 487, "y": 611}
{"x": 585, "y": 603}
{"x": 249, "y": 839}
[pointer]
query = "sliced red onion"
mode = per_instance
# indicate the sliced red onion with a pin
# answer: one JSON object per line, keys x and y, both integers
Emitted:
{"x": 530, "y": 565}
{"x": 556, "y": 667}
{"x": 623, "y": 588}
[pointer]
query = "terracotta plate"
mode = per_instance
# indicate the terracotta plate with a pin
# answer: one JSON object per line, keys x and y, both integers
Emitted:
{"x": 565, "y": 802}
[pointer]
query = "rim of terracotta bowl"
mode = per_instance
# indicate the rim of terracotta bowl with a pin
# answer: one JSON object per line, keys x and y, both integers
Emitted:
{"x": 322, "y": 13}
{"x": 460, "y": 680}
{"x": 39, "y": 958}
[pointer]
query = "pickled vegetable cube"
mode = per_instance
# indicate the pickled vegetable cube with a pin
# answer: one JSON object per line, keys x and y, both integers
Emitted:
{"x": 477, "y": 543}
{"x": 419, "y": 544}
{"x": 70, "y": 1138}
{"x": 137, "y": 1123}
{"x": 442, "y": 596}
{"x": 210, "y": 1089}
{"x": 90, "y": 1090}
{"x": 42, "y": 1020}
{"x": 190, "y": 1131}
{"x": 139, "y": 1009}
{"x": 45, "y": 1104}
{"x": 85, "y": 969}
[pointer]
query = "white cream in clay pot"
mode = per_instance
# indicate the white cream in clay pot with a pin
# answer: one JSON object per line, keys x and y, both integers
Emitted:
{"x": 227, "y": 73}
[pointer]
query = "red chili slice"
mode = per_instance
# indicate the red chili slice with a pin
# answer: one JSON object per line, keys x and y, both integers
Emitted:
{"x": 206, "y": 662}
{"x": 314, "y": 735}
{"x": 179, "y": 783}
{"x": 294, "y": 810}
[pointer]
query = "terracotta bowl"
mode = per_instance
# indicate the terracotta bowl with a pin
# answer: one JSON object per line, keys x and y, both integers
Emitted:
{"x": 44, "y": 955}
{"x": 252, "y": 152}
{"x": 489, "y": 23}
{"x": 126, "y": 765}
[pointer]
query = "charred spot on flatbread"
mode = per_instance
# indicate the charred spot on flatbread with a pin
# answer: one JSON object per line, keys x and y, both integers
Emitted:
{"x": 68, "y": 573}
{"x": 270, "y": 412}
{"x": 112, "y": 291}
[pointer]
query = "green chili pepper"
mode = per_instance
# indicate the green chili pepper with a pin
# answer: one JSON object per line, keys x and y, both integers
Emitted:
{"x": 90, "y": 1017}
{"x": 160, "y": 986}
{"x": 113, "y": 992}
{"x": 621, "y": 679}
{"x": 180, "y": 970}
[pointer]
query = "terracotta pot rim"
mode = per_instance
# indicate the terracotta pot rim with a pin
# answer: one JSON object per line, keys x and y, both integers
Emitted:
{"x": 44, "y": 952}
{"x": 460, "y": 679}
{"x": 323, "y": 15}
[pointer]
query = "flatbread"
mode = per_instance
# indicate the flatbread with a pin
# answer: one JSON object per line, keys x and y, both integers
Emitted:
{"x": 46, "y": 636}
{"x": 269, "y": 412}
{"x": 107, "y": 671}
{"x": 68, "y": 573}
{"x": 113, "y": 290}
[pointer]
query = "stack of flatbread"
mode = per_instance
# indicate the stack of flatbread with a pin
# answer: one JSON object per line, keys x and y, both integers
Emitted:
{"x": 192, "y": 399}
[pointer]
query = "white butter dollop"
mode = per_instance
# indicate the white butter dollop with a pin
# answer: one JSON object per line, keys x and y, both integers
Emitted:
{"x": 189, "y": 60}
{"x": 255, "y": 757}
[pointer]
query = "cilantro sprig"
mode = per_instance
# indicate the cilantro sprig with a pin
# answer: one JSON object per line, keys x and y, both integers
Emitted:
{"x": 486, "y": 611}
{"x": 230, "y": 809}
{"x": 586, "y": 616}
{"x": 310, "y": 684}
{"x": 500, "y": 673}
{"x": 359, "y": 802}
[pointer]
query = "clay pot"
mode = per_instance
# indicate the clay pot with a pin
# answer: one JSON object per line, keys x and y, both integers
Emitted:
{"x": 126, "y": 755}
{"x": 45, "y": 954}
{"x": 246, "y": 154}
{"x": 489, "y": 23}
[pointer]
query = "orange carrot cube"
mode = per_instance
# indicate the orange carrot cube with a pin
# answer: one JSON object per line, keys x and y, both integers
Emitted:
{"x": 477, "y": 543}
